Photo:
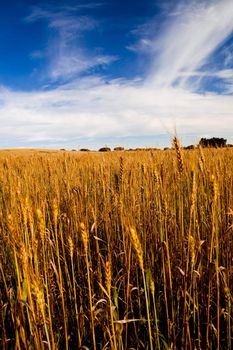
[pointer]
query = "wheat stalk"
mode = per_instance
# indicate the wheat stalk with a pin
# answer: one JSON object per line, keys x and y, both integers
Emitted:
{"x": 137, "y": 246}
{"x": 179, "y": 156}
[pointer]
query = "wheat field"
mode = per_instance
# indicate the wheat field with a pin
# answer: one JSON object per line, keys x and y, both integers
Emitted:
{"x": 117, "y": 250}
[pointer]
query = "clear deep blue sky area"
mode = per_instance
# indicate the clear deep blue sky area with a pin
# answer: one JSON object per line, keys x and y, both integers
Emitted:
{"x": 87, "y": 74}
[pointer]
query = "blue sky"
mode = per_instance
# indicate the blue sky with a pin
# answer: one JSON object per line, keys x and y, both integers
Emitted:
{"x": 86, "y": 74}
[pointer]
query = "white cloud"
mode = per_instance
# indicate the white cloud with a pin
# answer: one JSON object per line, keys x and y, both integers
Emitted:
{"x": 66, "y": 54}
{"x": 70, "y": 63}
{"x": 52, "y": 12}
{"x": 93, "y": 108}
{"x": 190, "y": 38}
{"x": 144, "y": 45}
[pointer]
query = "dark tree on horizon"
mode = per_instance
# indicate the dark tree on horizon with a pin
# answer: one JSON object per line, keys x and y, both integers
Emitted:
{"x": 213, "y": 142}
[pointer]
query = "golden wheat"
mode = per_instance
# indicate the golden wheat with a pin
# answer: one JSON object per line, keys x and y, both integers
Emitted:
{"x": 116, "y": 250}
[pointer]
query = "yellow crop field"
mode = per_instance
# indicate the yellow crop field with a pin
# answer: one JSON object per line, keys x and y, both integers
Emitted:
{"x": 116, "y": 250}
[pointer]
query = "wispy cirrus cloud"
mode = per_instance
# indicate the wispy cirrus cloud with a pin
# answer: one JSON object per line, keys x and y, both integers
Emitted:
{"x": 66, "y": 53}
{"x": 228, "y": 59}
{"x": 144, "y": 45}
{"x": 192, "y": 34}
{"x": 72, "y": 62}
{"x": 49, "y": 11}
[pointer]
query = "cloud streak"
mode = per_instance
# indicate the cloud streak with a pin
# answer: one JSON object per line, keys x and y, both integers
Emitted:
{"x": 65, "y": 51}
{"x": 194, "y": 32}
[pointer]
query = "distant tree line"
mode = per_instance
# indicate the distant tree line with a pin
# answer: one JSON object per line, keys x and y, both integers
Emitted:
{"x": 216, "y": 142}
{"x": 213, "y": 142}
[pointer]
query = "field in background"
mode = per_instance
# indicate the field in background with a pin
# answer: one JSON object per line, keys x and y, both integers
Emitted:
{"x": 116, "y": 250}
